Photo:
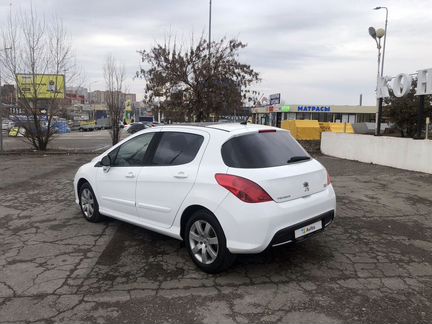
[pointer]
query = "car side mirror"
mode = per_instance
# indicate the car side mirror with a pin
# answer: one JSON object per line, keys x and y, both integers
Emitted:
{"x": 106, "y": 163}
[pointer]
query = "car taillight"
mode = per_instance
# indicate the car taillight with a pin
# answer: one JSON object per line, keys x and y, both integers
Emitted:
{"x": 244, "y": 189}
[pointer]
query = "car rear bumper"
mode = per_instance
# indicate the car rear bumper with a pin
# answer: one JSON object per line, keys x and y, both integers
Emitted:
{"x": 287, "y": 235}
{"x": 251, "y": 228}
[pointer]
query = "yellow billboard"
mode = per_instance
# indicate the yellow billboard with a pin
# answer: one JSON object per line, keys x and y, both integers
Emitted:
{"x": 48, "y": 86}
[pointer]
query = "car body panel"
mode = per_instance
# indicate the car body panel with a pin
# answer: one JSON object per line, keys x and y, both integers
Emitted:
{"x": 248, "y": 227}
{"x": 116, "y": 189}
{"x": 289, "y": 181}
{"x": 154, "y": 182}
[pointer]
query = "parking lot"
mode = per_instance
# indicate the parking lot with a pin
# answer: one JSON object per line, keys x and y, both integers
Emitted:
{"x": 373, "y": 265}
{"x": 94, "y": 141}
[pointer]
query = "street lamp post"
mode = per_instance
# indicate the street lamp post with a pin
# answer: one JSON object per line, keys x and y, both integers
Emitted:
{"x": 380, "y": 100}
{"x": 385, "y": 38}
{"x": 1, "y": 106}
{"x": 209, "y": 35}
{"x": 377, "y": 35}
{"x": 1, "y": 118}
{"x": 209, "y": 56}
{"x": 89, "y": 99}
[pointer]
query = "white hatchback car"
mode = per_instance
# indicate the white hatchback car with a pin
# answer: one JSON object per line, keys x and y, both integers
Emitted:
{"x": 223, "y": 189}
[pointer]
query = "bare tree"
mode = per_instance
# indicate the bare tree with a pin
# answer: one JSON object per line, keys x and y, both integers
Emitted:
{"x": 114, "y": 74}
{"x": 38, "y": 49}
{"x": 191, "y": 83}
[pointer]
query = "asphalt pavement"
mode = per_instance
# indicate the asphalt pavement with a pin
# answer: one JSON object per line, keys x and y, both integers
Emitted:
{"x": 373, "y": 265}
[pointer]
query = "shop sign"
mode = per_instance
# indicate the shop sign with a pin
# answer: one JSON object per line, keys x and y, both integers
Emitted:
{"x": 275, "y": 99}
{"x": 273, "y": 109}
{"x": 314, "y": 108}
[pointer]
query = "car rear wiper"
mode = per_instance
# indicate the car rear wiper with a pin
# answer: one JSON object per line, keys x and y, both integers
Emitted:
{"x": 298, "y": 158}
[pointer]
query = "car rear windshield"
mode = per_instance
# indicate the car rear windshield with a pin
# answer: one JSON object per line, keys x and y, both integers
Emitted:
{"x": 262, "y": 150}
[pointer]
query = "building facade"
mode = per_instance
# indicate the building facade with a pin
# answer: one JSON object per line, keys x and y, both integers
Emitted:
{"x": 274, "y": 114}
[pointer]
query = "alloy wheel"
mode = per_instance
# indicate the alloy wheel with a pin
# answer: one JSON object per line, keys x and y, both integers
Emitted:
{"x": 87, "y": 202}
{"x": 203, "y": 242}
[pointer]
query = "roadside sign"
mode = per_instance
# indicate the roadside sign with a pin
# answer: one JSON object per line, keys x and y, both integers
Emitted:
{"x": 275, "y": 99}
{"x": 47, "y": 86}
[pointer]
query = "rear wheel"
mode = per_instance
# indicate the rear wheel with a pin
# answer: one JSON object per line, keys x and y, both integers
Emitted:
{"x": 206, "y": 243}
{"x": 88, "y": 203}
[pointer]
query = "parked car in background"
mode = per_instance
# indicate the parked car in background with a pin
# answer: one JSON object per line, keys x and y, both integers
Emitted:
{"x": 135, "y": 127}
{"x": 126, "y": 126}
{"x": 223, "y": 189}
{"x": 146, "y": 120}
{"x": 7, "y": 125}
{"x": 103, "y": 123}
{"x": 87, "y": 126}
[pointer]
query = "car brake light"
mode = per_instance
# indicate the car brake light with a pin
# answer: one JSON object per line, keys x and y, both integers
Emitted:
{"x": 244, "y": 189}
{"x": 267, "y": 131}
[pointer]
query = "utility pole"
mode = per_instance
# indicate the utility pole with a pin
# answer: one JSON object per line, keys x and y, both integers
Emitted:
{"x": 209, "y": 80}
{"x": 209, "y": 40}
{"x": 1, "y": 106}
{"x": 1, "y": 118}
{"x": 380, "y": 100}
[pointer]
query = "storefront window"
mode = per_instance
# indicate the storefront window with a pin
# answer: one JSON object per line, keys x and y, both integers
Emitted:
{"x": 303, "y": 116}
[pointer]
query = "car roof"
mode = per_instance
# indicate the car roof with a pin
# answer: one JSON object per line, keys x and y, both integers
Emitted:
{"x": 226, "y": 127}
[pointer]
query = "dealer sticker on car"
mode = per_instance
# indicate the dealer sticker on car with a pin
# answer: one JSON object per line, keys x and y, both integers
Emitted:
{"x": 308, "y": 229}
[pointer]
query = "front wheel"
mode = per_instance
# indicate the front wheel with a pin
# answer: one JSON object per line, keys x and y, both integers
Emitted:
{"x": 206, "y": 243}
{"x": 88, "y": 203}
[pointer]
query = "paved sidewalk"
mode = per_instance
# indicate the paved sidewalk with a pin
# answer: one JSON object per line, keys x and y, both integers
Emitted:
{"x": 373, "y": 265}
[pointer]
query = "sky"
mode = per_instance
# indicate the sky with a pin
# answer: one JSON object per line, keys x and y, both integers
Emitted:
{"x": 312, "y": 52}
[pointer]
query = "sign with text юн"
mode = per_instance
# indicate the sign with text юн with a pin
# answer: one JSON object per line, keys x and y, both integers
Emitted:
{"x": 401, "y": 84}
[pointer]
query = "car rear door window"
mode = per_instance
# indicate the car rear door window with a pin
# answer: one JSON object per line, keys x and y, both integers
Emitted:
{"x": 132, "y": 152}
{"x": 177, "y": 148}
{"x": 262, "y": 150}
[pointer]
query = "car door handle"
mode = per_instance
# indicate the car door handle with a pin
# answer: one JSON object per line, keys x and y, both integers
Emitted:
{"x": 181, "y": 175}
{"x": 130, "y": 175}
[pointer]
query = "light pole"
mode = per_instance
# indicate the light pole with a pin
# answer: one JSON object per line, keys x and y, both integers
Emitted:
{"x": 90, "y": 97}
{"x": 380, "y": 102}
{"x": 1, "y": 106}
{"x": 377, "y": 35}
{"x": 209, "y": 82}
{"x": 385, "y": 37}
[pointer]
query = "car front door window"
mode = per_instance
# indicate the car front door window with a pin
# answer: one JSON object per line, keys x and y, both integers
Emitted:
{"x": 132, "y": 152}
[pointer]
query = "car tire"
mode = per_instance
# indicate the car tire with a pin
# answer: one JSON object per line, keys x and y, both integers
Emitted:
{"x": 88, "y": 204}
{"x": 206, "y": 243}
